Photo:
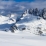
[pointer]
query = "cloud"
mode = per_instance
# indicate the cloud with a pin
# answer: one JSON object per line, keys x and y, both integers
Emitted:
{"x": 38, "y": 4}
{"x": 7, "y": 0}
{"x": 39, "y": 0}
{"x": 21, "y": 6}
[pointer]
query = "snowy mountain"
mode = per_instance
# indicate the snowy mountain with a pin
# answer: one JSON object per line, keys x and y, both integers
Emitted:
{"x": 32, "y": 20}
{"x": 28, "y": 29}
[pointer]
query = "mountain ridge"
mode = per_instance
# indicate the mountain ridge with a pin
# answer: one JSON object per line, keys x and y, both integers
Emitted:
{"x": 30, "y": 18}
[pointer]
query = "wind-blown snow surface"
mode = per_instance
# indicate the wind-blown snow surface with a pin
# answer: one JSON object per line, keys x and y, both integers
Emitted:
{"x": 21, "y": 39}
{"x": 32, "y": 22}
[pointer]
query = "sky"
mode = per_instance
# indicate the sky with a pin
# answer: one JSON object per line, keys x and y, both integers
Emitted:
{"x": 19, "y": 0}
{"x": 21, "y": 5}
{"x": 23, "y": 0}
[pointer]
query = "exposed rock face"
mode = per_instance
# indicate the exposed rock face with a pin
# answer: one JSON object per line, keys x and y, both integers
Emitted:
{"x": 34, "y": 11}
{"x": 44, "y": 13}
{"x": 39, "y": 31}
{"x": 21, "y": 27}
{"x": 30, "y": 11}
{"x": 37, "y": 12}
{"x": 13, "y": 28}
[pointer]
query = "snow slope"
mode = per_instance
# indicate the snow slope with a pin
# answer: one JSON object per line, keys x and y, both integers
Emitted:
{"x": 21, "y": 39}
{"x": 31, "y": 23}
{"x": 6, "y": 21}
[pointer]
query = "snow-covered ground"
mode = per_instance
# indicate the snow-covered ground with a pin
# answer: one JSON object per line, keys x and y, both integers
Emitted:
{"x": 21, "y": 39}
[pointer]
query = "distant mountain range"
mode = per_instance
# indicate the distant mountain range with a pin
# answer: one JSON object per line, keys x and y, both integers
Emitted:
{"x": 31, "y": 20}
